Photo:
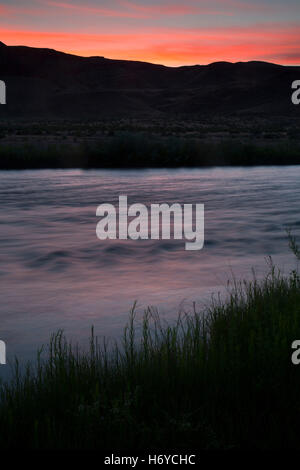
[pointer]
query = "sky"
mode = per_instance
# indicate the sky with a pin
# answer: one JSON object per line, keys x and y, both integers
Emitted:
{"x": 174, "y": 33}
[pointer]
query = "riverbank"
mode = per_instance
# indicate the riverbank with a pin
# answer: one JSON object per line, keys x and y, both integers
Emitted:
{"x": 133, "y": 151}
{"x": 149, "y": 144}
{"x": 216, "y": 379}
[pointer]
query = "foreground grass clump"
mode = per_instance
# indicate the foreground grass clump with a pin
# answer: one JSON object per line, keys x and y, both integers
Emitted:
{"x": 221, "y": 379}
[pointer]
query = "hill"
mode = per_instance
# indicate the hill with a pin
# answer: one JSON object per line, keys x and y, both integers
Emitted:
{"x": 44, "y": 83}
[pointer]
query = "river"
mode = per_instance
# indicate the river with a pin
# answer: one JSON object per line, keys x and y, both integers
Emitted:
{"x": 55, "y": 273}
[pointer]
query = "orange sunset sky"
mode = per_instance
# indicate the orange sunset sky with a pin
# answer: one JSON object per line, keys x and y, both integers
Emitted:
{"x": 167, "y": 32}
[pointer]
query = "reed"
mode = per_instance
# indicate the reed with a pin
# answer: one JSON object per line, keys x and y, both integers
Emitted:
{"x": 131, "y": 150}
{"x": 221, "y": 378}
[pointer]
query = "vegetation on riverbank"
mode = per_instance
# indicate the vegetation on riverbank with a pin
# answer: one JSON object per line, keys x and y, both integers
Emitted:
{"x": 129, "y": 150}
{"x": 218, "y": 379}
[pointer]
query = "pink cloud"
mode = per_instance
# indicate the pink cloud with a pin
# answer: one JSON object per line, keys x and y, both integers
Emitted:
{"x": 83, "y": 9}
{"x": 273, "y": 42}
{"x": 134, "y": 10}
{"x": 171, "y": 9}
{"x": 240, "y": 6}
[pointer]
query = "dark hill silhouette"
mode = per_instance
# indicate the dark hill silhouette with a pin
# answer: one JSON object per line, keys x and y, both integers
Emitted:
{"x": 45, "y": 83}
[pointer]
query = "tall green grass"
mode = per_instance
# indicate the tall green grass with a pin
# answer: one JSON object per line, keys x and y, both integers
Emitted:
{"x": 217, "y": 379}
{"x": 131, "y": 150}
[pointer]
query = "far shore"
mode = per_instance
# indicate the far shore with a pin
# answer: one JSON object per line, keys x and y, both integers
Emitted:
{"x": 149, "y": 143}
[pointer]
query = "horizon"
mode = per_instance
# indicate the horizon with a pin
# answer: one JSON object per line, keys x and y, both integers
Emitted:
{"x": 152, "y": 63}
{"x": 170, "y": 33}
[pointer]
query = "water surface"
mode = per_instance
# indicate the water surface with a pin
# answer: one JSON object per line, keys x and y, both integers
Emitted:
{"x": 55, "y": 273}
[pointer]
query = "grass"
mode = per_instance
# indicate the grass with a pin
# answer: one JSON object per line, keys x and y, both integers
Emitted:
{"x": 141, "y": 150}
{"x": 217, "y": 379}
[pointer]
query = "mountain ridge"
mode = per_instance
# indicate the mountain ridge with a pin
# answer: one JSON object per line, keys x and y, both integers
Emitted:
{"x": 45, "y": 83}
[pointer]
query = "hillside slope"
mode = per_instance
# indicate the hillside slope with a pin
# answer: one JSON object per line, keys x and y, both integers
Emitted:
{"x": 44, "y": 83}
